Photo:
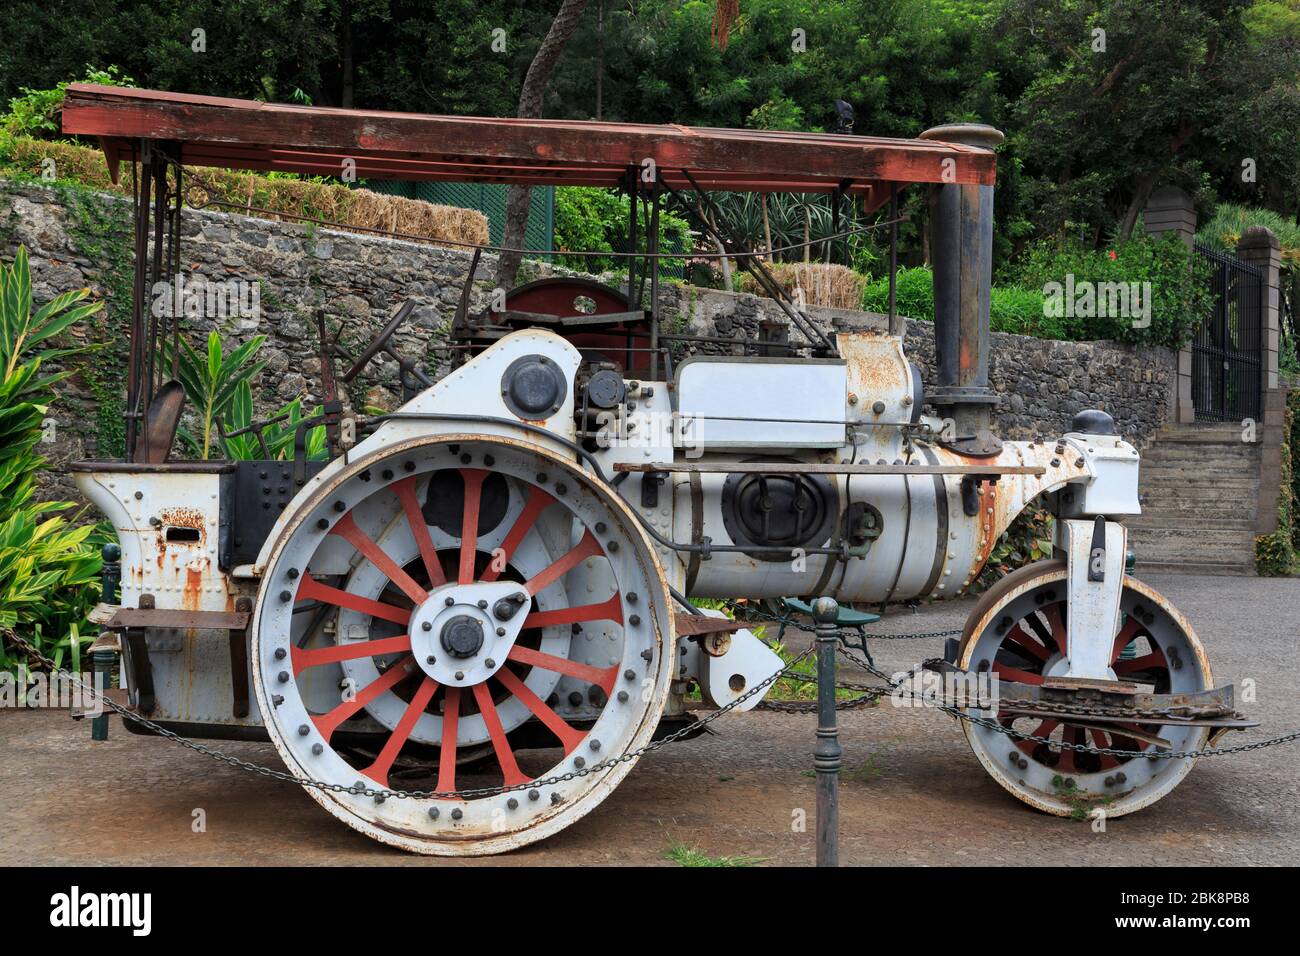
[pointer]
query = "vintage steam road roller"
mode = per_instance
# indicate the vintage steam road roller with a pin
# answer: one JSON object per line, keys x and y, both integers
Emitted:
{"x": 487, "y": 592}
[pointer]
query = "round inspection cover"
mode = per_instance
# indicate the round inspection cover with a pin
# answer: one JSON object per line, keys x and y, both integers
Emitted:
{"x": 533, "y": 387}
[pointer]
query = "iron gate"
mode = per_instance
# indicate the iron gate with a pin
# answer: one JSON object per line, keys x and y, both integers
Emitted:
{"x": 1227, "y": 351}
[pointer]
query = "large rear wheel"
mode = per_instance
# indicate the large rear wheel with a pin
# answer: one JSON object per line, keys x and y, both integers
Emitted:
{"x": 470, "y": 614}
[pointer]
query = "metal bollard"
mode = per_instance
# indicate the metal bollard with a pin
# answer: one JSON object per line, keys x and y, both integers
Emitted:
{"x": 103, "y": 663}
{"x": 827, "y": 757}
{"x": 110, "y": 578}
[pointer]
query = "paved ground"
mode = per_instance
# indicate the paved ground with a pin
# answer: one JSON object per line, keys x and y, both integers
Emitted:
{"x": 912, "y": 794}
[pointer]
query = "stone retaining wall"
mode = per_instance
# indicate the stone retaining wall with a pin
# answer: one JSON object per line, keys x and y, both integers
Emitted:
{"x": 77, "y": 239}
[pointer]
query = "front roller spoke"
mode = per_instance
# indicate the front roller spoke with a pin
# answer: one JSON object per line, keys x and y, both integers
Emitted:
{"x": 569, "y": 736}
{"x": 602, "y": 677}
{"x": 313, "y": 590}
{"x": 1152, "y": 661}
{"x": 314, "y": 657}
{"x": 1016, "y": 674}
{"x": 378, "y": 771}
{"x": 1124, "y": 638}
{"x": 347, "y": 529}
{"x": 1022, "y": 641}
{"x": 492, "y": 720}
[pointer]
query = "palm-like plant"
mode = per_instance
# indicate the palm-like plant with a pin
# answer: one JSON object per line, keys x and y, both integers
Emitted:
{"x": 212, "y": 380}
{"x": 277, "y": 436}
{"x": 47, "y": 567}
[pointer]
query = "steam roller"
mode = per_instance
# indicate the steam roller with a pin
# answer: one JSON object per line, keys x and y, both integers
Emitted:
{"x": 487, "y": 592}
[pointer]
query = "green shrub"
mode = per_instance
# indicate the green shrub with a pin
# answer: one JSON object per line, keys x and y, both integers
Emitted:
{"x": 914, "y": 294}
{"x": 1011, "y": 309}
{"x": 36, "y": 112}
{"x": 48, "y": 568}
{"x": 1179, "y": 287}
{"x": 1223, "y": 230}
{"x": 591, "y": 219}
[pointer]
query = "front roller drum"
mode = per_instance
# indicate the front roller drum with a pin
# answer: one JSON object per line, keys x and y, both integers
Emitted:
{"x": 457, "y": 596}
{"x": 1020, "y": 632}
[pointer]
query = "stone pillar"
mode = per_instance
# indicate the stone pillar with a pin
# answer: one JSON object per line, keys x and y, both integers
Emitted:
{"x": 1169, "y": 209}
{"x": 1260, "y": 248}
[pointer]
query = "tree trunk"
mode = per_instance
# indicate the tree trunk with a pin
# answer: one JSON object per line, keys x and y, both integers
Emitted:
{"x": 349, "y": 75}
{"x": 531, "y": 95}
{"x": 1140, "y": 196}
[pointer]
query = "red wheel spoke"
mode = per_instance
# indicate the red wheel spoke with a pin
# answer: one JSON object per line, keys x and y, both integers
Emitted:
{"x": 405, "y": 491}
{"x": 1099, "y": 740}
{"x": 313, "y": 590}
{"x": 378, "y": 771}
{"x": 302, "y": 659}
{"x": 611, "y": 610}
{"x": 1074, "y": 735}
{"x": 1018, "y": 638}
{"x": 570, "y": 737}
{"x": 1042, "y": 730}
{"x": 1152, "y": 661}
{"x": 1124, "y": 637}
{"x": 538, "y": 501}
{"x": 602, "y": 677}
{"x": 469, "y": 523}
{"x": 1129, "y": 743}
{"x": 328, "y": 723}
{"x": 447, "y": 758}
{"x": 586, "y": 548}
{"x": 347, "y": 530}
{"x": 1053, "y": 614}
{"x": 1016, "y": 674}
{"x": 505, "y": 756}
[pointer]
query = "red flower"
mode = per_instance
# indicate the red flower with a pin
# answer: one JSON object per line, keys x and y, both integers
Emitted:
{"x": 1111, "y": 253}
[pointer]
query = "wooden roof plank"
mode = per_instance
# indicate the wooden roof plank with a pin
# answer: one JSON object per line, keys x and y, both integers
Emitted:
{"x": 252, "y": 135}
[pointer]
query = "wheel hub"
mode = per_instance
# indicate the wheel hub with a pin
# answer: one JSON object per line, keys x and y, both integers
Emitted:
{"x": 462, "y": 636}
{"x": 456, "y": 637}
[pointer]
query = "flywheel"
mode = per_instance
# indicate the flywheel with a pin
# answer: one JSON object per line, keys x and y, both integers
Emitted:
{"x": 468, "y": 613}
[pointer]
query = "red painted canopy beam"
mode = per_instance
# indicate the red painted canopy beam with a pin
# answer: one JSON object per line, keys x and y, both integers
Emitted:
{"x": 245, "y": 134}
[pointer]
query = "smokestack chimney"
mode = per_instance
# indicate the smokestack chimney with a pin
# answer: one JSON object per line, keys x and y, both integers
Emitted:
{"x": 961, "y": 253}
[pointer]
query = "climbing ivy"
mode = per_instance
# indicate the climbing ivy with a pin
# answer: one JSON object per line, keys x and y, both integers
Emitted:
{"x": 101, "y": 229}
{"x": 1278, "y": 553}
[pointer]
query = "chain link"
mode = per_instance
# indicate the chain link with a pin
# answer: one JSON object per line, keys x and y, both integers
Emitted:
{"x": 989, "y": 723}
{"x": 869, "y": 695}
{"x": 383, "y": 793}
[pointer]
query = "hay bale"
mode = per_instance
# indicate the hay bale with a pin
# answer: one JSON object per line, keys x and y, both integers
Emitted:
{"x": 281, "y": 197}
{"x": 824, "y": 284}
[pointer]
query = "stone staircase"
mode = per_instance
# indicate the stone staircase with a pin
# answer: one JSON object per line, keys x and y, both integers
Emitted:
{"x": 1199, "y": 488}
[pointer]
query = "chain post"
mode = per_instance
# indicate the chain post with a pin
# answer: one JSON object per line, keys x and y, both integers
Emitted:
{"x": 827, "y": 756}
{"x": 110, "y": 579}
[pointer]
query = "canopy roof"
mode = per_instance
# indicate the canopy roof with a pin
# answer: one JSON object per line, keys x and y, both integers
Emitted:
{"x": 246, "y": 134}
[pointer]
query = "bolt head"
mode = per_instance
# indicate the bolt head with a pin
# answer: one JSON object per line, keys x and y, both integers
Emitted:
{"x": 426, "y": 626}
